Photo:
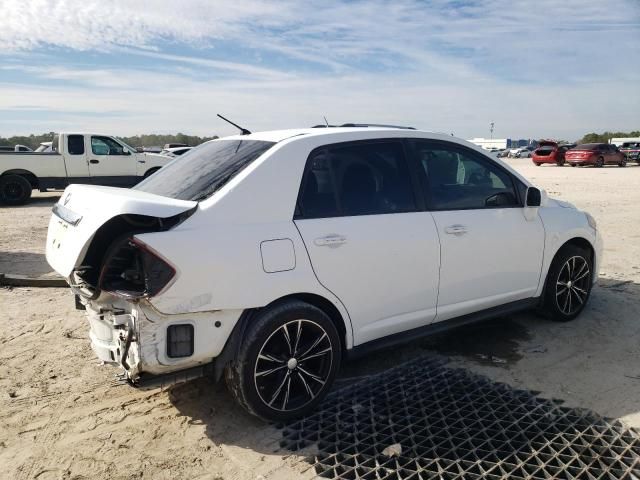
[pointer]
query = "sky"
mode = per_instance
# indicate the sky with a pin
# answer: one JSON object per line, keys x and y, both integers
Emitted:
{"x": 543, "y": 69}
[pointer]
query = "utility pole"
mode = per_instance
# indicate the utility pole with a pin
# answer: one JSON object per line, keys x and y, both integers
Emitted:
{"x": 491, "y": 130}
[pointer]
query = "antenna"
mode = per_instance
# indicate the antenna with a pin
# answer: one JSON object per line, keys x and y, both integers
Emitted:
{"x": 325, "y": 121}
{"x": 243, "y": 131}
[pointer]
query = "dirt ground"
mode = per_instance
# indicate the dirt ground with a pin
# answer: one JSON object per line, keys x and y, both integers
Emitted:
{"x": 62, "y": 415}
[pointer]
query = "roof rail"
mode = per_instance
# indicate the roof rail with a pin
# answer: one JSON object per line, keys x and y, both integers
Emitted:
{"x": 364, "y": 125}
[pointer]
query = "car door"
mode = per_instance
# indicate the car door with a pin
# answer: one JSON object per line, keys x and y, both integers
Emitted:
{"x": 368, "y": 239}
{"x": 490, "y": 253}
{"x": 110, "y": 163}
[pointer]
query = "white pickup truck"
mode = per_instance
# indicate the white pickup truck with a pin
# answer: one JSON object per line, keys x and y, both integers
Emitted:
{"x": 74, "y": 158}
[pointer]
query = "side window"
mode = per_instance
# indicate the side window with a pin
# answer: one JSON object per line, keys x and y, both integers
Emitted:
{"x": 458, "y": 179}
{"x": 357, "y": 179}
{"x": 106, "y": 146}
{"x": 75, "y": 144}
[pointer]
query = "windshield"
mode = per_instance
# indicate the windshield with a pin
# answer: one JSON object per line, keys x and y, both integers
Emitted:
{"x": 200, "y": 172}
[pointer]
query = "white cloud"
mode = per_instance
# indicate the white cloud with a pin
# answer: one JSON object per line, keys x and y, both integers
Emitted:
{"x": 538, "y": 69}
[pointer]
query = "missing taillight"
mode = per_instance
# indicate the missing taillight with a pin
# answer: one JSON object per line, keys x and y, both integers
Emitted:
{"x": 133, "y": 270}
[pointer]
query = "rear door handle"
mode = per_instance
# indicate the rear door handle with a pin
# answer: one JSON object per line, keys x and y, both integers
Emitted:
{"x": 141, "y": 161}
{"x": 332, "y": 240}
{"x": 456, "y": 230}
{"x": 93, "y": 160}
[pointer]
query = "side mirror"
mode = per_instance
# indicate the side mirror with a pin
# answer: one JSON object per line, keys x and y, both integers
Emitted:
{"x": 534, "y": 197}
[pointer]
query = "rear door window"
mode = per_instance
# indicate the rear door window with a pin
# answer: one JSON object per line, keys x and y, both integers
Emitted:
{"x": 361, "y": 178}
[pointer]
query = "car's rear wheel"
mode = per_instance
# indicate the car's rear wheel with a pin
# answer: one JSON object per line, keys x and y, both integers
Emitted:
{"x": 537, "y": 164}
{"x": 572, "y": 164}
{"x": 599, "y": 162}
{"x": 14, "y": 189}
{"x": 568, "y": 284}
{"x": 623, "y": 162}
{"x": 287, "y": 361}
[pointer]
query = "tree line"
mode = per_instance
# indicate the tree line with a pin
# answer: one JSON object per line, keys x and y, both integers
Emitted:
{"x": 153, "y": 140}
{"x": 145, "y": 140}
{"x": 606, "y": 136}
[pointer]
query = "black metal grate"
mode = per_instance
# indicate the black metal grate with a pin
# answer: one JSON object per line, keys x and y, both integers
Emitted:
{"x": 453, "y": 424}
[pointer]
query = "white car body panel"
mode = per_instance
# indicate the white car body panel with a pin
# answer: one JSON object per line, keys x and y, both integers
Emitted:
{"x": 242, "y": 249}
{"x": 397, "y": 257}
{"x": 496, "y": 260}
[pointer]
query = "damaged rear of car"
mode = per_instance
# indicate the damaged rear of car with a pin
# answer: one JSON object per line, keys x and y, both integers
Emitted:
{"x": 100, "y": 239}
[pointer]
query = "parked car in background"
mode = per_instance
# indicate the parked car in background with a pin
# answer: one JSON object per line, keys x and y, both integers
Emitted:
{"x": 631, "y": 150}
{"x": 76, "y": 158}
{"x": 596, "y": 154}
{"x": 174, "y": 145}
{"x": 44, "y": 147}
{"x": 519, "y": 152}
{"x": 550, "y": 152}
{"x": 270, "y": 258}
{"x": 15, "y": 148}
{"x": 175, "y": 151}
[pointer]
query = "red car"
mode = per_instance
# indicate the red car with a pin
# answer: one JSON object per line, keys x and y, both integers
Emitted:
{"x": 596, "y": 154}
{"x": 550, "y": 152}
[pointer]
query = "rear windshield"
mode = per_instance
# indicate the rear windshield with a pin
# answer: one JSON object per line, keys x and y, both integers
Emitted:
{"x": 200, "y": 172}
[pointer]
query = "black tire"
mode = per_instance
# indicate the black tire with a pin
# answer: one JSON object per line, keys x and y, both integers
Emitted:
{"x": 623, "y": 162}
{"x": 268, "y": 385}
{"x": 572, "y": 164}
{"x": 537, "y": 164}
{"x": 568, "y": 284}
{"x": 599, "y": 163}
{"x": 14, "y": 189}
{"x": 560, "y": 162}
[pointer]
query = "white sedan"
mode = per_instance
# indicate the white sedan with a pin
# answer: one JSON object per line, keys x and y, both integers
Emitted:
{"x": 273, "y": 257}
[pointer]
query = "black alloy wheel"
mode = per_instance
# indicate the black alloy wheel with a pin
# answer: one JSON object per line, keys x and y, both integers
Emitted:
{"x": 287, "y": 361}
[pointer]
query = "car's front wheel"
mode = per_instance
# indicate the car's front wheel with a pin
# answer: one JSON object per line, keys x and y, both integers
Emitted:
{"x": 287, "y": 361}
{"x": 568, "y": 284}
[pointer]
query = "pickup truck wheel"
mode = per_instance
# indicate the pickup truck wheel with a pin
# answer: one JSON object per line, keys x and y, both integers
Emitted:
{"x": 14, "y": 189}
{"x": 568, "y": 284}
{"x": 287, "y": 362}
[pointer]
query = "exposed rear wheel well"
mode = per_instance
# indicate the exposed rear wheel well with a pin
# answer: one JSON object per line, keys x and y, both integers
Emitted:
{"x": 323, "y": 304}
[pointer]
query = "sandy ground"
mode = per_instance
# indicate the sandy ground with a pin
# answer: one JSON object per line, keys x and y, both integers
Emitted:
{"x": 62, "y": 415}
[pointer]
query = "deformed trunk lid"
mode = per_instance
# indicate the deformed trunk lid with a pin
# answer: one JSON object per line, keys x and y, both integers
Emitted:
{"x": 83, "y": 209}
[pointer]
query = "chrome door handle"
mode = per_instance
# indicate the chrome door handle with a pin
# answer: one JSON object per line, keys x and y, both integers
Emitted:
{"x": 332, "y": 240}
{"x": 456, "y": 230}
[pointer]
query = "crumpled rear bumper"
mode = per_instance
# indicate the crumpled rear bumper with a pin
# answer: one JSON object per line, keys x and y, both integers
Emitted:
{"x": 113, "y": 335}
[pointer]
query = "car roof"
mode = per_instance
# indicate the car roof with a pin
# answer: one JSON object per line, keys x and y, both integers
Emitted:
{"x": 280, "y": 135}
